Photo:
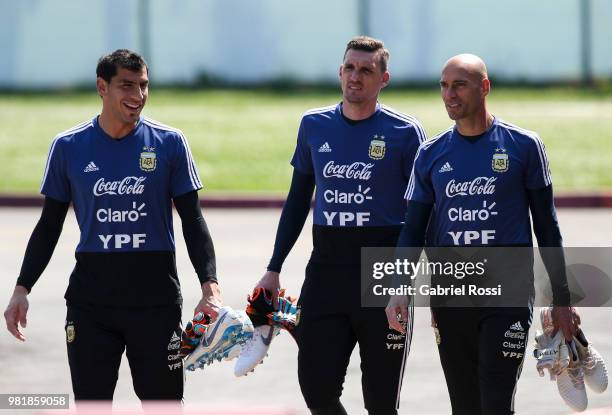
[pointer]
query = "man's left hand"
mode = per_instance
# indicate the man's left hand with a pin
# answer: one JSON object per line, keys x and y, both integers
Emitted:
{"x": 211, "y": 300}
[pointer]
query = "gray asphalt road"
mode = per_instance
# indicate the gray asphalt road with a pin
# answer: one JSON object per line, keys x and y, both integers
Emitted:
{"x": 243, "y": 240}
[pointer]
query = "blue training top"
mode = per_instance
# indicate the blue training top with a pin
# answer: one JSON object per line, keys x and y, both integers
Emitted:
{"x": 359, "y": 169}
{"x": 121, "y": 189}
{"x": 479, "y": 187}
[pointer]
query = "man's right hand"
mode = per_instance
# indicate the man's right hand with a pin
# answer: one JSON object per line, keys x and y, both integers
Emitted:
{"x": 16, "y": 312}
{"x": 271, "y": 282}
{"x": 567, "y": 320}
{"x": 397, "y": 312}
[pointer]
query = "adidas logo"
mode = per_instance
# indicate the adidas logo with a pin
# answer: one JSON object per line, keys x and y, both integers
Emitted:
{"x": 517, "y": 326}
{"x": 174, "y": 338}
{"x": 91, "y": 167}
{"x": 445, "y": 168}
{"x": 325, "y": 148}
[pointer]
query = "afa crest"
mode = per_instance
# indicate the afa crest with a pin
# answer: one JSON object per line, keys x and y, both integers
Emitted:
{"x": 500, "y": 162}
{"x": 148, "y": 161}
{"x": 377, "y": 148}
{"x": 70, "y": 333}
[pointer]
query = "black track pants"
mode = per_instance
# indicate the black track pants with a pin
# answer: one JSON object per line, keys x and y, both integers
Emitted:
{"x": 482, "y": 352}
{"x": 97, "y": 337}
{"x": 331, "y": 322}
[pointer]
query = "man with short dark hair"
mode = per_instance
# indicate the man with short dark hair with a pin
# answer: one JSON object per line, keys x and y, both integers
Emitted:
{"x": 359, "y": 155}
{"x": 368, "y": 44}
{"x": 121, "y": 172}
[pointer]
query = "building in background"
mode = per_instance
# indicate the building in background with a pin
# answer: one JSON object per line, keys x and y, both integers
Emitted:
{"x": 54, "y": 44}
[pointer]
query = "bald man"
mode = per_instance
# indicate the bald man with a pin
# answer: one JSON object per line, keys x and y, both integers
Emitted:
{"x": 497, "y": 173}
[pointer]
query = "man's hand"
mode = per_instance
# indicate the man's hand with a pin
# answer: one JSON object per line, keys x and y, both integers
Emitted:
{"x": 567, "y": 320}
{"x": 16, "y": 312}
{"x": 271, "y": 282}
{"x": 211, "y": 300}
{"x": 397, "y": 312}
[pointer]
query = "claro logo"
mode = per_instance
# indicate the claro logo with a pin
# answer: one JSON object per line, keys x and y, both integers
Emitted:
{"x": 130, "y": 185}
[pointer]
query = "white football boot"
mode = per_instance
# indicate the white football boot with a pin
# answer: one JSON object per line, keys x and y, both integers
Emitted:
{"x": 552, "y": 354}
{"x": 222, "y": 338}
{"x": 567, "y": 368}
{"x": 595, "y": 370}
{"x": 255, "y": 350}
{"x": 570, "y": 383}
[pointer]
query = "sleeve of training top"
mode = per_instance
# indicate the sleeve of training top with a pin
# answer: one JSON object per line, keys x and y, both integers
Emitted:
{"x": 302, "y": 159}
{"x": 197, "y": 237}
{"x": 411, "y": 147}
{"x": 548, "y": 234}
{"x": 420, "y": 188}
{"x": 185, "y": 177}
{"x": 538, "y": 171}
{"x": 412, "y": 236}
{"x": 55, "y": 182}
{"x": 292, "y": 218}
{"x": 415, "y": 225}
{"x": 42, "y": 242}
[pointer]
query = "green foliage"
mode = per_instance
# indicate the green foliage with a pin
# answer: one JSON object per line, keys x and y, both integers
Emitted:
{"x": 243, "y": 140}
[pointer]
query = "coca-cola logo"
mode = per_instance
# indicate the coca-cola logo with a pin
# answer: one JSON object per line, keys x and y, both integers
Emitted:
{"x": 357, "y": 170}
{"x": 130, "y": 185}
{"x": 477, "y": 186}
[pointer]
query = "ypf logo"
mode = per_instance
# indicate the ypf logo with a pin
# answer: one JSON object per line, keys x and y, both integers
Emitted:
{"x": 514, "y": 355}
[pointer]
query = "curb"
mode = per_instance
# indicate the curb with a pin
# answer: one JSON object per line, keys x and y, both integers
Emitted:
{"x": 210, "y": 202}
{"x": 593, "y": 200}
{"x": 584, "y": 201}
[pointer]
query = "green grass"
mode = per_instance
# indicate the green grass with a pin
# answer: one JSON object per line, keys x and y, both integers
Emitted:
{"x": 243, "y": 140}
